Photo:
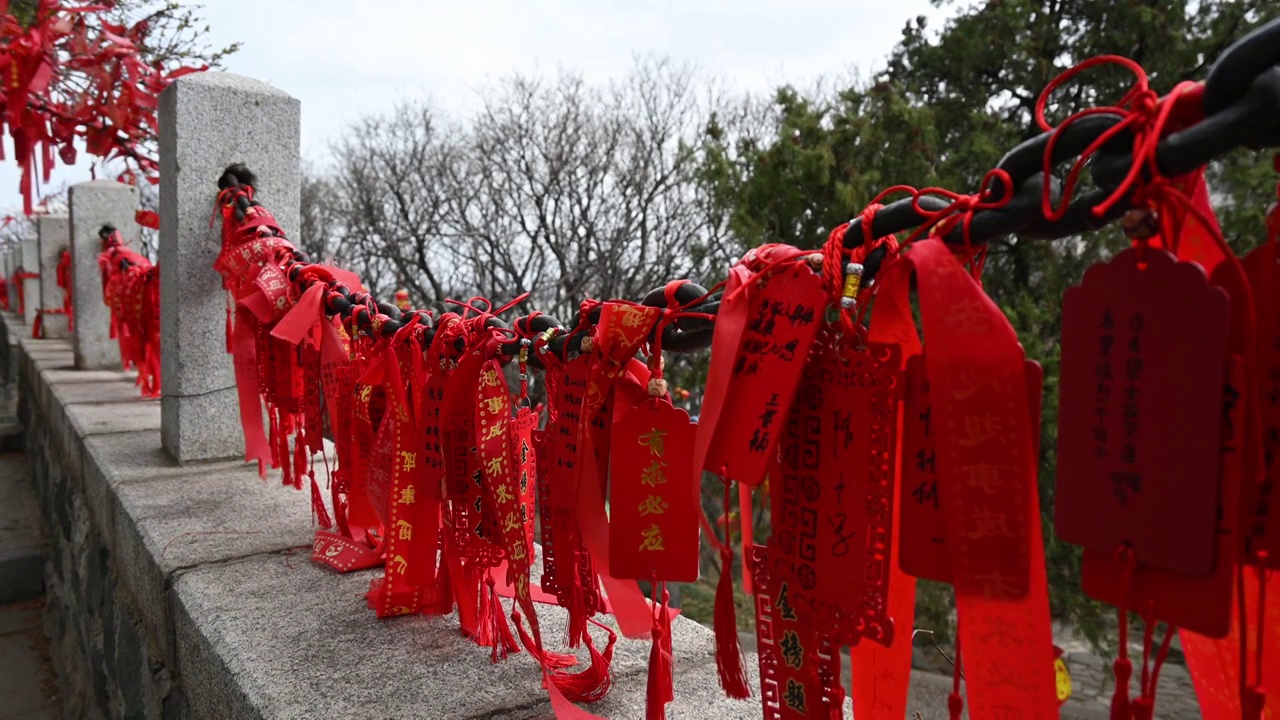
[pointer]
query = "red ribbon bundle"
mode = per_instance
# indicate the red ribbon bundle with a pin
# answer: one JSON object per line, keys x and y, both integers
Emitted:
{"x": 19, "y": 275}
{"x": 131, "y": 290}
{"x": 64, "y": 282}
{"x": 111, "y": 105}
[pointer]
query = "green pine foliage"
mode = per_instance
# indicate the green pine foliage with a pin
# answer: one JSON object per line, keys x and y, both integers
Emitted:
{"x": 944, "y": 110}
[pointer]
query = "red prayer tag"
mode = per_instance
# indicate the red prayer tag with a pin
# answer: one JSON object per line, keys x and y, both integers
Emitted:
{"x": 1262, "y": 534}
{"x": 567, "y": 570}
{"x": 763, "y": 365}
{"x": 343, "y": 554}
{"x": 496, "y": 474}
{"x": 922, "y": 536}
{"x": 833, "y": 505}
{"x": 1132, "y": 388}
{"x": 790, "y": 687}
{"x": 653, "y": 505}
{"x": 1198, "y": 604}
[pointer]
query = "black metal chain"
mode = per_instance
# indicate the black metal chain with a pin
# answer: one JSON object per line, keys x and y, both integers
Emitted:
{"x": 1241, "y": 101}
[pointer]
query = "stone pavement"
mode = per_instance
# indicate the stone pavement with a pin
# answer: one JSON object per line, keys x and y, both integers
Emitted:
{"x": 1093, "y": 680}
{"x": 28, "y": 690}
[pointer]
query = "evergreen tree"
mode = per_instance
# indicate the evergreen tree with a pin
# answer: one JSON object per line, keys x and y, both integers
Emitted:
{"x": 942, "y": 113}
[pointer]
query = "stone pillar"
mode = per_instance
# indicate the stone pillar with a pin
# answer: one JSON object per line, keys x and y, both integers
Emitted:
{"x": 15, "y": 261}
{"x": 7, "y": 268}
{"x": 53, "y": 235}
{"x": 208, "y": 121}
{"x": 94, "y": 204}
{"x": 30, "y": 286}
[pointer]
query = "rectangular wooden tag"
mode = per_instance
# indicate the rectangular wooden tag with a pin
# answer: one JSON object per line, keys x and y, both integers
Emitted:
{"x": 1198, "y": 604}
{"x": 782, "y": 320}
{"x": 1140, "y": 413}
{"x": 922, "y": 549}
{"x": 653, "y": 504}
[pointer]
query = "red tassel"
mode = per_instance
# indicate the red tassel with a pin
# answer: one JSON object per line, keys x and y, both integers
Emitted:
{"x": 503, "y": 642}
{"x": 661, "y": 685}
{"x": 484, "y": 627}
{"x": 577, "y": 597}
{"x": 592, "y": 684}
{"x": 299, "y": 460}
{"x": 1120, "y": 706}
{"x": 229, "y": 348}
{"x": 317, "y": 504}
{"x": 547, "y": 659}
{"x": 729, "y": 660}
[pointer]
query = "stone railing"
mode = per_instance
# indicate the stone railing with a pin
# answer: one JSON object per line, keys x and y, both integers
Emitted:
{"x": 178, "y": 582}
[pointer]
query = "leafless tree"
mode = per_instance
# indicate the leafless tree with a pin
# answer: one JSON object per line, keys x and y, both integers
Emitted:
{"x": 554, "y": 188}
{"x": 574, "y": 191}
{"x": 391, "y": 187}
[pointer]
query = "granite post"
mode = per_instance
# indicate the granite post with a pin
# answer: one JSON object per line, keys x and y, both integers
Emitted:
{"x": 7, "y": 267}
{"x": 15, "y": 261}
{"x": 94, "y": 204}
{"x": 53, "y": 234}
{"x": 30, "y": 286}
{"x": 208, "y": 121}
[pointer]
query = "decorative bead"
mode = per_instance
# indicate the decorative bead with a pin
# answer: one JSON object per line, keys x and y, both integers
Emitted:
{"x": 852, "y": 284}
{"x": 1140, "y": 224}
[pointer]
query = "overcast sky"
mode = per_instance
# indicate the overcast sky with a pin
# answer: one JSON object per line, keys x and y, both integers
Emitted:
{"x": 345, "y": 58}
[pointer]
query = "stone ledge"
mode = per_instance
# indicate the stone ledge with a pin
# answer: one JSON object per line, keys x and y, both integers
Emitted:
{"x": 216, "y": 564}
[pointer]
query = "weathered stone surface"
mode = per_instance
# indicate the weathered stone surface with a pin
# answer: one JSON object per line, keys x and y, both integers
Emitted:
{"x": 244, "y": 653}
{"x": 53, "y": 235}
{"x": 112, "y": 391}
{"x": 196, "y": 428}
{"x": 30, "y": 286}
{"x": 169, "y": 517}
{"x": 57, "y": 377}
{"x": 108, "y": 666}
{"x": 196, "y": 144}
{"x": 96, "y": 419}
{"x": 94, "y": 204}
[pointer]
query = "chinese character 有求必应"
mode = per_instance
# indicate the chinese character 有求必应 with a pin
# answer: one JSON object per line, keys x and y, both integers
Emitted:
{"x": 653, "y": 440}
{"x": 653, "y": 505}
{"x": 511, "y": 523}
{"x": 496, "y": 465}
{"x": 502, "y": 494}
{"x": 653, "y": 475}
{"x": 651, "y": 538}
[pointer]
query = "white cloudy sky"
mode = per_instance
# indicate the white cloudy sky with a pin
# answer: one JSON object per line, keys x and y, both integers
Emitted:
{"x": 344, "y": 58}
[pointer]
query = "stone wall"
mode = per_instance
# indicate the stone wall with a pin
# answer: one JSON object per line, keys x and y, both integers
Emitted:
{"x": 182, "y": 591}
{"x": 107, "y": 664}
